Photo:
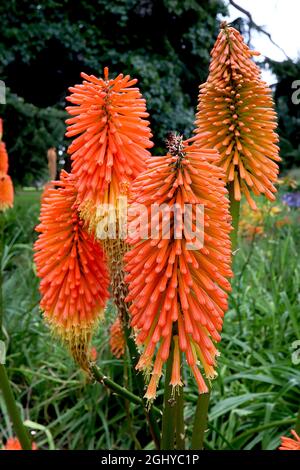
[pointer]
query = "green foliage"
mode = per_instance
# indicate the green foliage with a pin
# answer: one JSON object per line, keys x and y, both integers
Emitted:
{"x": 287, "y": 73}
{"x": 164, "y": 43}
{"x": 29, "y": 131}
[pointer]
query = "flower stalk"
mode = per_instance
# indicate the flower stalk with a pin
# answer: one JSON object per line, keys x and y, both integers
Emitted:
{"x": 12, "y": 410}
{"x": 118, "y": 389}
{"x": 235, "y": 216}
{"x": 200, "y": 422}
{"x": 297, "y": 427}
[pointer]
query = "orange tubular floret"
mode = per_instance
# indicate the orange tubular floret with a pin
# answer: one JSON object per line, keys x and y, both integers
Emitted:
{"x": 112, "y": 138}
{"x": 71, "y": 265}
{"x": 236, "y": 116}
{"x": 177, "y": 293}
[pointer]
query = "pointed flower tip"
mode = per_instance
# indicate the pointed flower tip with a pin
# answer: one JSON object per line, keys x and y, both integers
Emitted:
{"x": 236, "y": 117}
{"x": 106, "y": 73}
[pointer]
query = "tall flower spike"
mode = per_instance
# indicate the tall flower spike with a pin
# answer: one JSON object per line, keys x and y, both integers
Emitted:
{"x": 3, "y": 158}
{"x": 177, "y": 285}
{"x": 6, "y": 192}
{"x": 109, "y": 152}
{"x": 236, "y": 116}
{"x": 71, "y": 265}
{"x": 113, "y": 135}
{"x": 288, "y": 443}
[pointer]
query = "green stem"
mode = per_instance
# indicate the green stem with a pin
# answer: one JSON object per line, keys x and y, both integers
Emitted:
{"x": 169, "y": 410}
{"x": 180, "y": 434}
{"x": 13, "y": 411}
{"x": 118, "y": 389}
{"x": 235, "y": 214}
{"x": 200, "y": 422}
{"x": 297, "y": 427}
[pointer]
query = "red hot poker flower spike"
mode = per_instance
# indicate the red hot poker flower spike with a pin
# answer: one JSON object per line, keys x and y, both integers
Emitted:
{"x": 177, "y": 293}
{"x": 112, "y": 137}
{"x": 236, "y": 116}
{"x": 71, "y": 265}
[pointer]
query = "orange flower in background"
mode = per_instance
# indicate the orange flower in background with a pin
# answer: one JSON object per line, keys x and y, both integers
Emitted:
{"x": 117, "y": 339}
{"x": 72, "y": 269}
{"x": 93, "y": 354}
{"x": 1, "y": 128}
{"x": 177, "y": 293}
{"x": 3, "y": 158}
{"x": 14, "y": 444}
{"x": 236, "y": 116}
{"x": 112, "y": 137}
{"x": 6, "y": 192}
{"x": 288, "y": 443}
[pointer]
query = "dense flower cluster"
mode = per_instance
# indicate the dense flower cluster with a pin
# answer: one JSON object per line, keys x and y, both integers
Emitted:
{"x": 112, "y": 137}
{"x": 71, "y": 265}
{"x": 177, "y": 293}
{"x": 236, "y": 117}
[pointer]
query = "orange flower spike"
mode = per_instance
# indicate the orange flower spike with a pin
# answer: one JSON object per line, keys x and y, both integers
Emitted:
{"x": 6, "y": 192}
{"x": 71, "y": 265}
{"x": 288, "y": 443}
{"x": 117, "y": 339}
{"x": 177, "y": 287}
{"x": 3, "y": 158}
{"x": 112, "y": 139}
{"x": 236, "y": 116}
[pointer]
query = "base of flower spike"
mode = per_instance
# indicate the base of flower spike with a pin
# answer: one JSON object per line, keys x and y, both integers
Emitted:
{"x": 77, "y": 340}
{"x": 115, "y": 250}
